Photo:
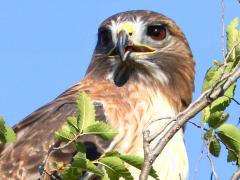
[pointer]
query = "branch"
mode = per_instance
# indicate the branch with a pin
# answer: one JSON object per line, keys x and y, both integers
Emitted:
{"x": 68, "y": 143}
{"x": 202, "y": 149}
{"x": 198, "y": 163}
{"x": 212, "y": 163}
{"x": 223, "y": 30}
{"x": 236, "y": 101}
{"x": 154, "y": 136}
{"x": 178, "y": 122}
{"x": 236, "y": 175}
{"x": 198, "y": 126}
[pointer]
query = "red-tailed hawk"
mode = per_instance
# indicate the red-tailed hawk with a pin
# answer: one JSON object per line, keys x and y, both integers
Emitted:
{"x": 142, "y": 69}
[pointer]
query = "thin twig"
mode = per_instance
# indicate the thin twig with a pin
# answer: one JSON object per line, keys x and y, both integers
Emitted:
{"x": 198, "y": 163}
{"x": 151, "y": 122}
{"x": 198, "y": 126}
{"x": 223, "y": 29}
{"x": 236, "y": 175}
{"x": 212, "y": 163}
{"x": 237, "y": 102}
{"x": 50, "y": 175}
{"x": 87, "y": 176}
{"x": 155, "y": 135}
{"x": 68, "y": 143}
{"x": 202, "y": 151}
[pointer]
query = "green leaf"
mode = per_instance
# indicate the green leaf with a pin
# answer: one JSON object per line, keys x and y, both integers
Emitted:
{"x": 213, "y": 74}
{"x": 81, "y": 148}
{"x": 105, "y": 177}
{"x": 2, "y": 131}
{"x": 73, "y": 125}
{"x": 80, "y": 163}
{"x": 238, "y": 47}
{"x": 112, "y": 175}
{"x": 72, "y": 121}
{"x": 213, "y": 111}
{"x": 231, "y": 157}
{"x": 115, "y": 166}
{"x": 217, "y": 119}
{"x": 65, "y": 133}
{"x": 7, "y": 134}
{"x": 72, "y": 173}
{"x": 209, "y": 134}
{"x": 214, "y": 147}
{"x": 230, "y": 136}
{"x": 10, "y": 134}
{"x": 223, "y": 102}
{"x": 232, "y": 35}
{"x": 74, "y": 170}
{"x": 86, "y": 111}
{"x": 205, "y": 114}
{"x": 112, "y": 153}
{"x": 90, "y": 167}
{"x": 216, "y": 63}
{"x": 230, "y": 91}
{"x": 137, "y": 162}
{"x": 230, "y": 66}
{"x": 55, "y": 165}
{"x": 102, "y": 130}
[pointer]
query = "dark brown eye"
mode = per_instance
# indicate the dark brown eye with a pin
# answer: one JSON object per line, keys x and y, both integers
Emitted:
{"x": 156, "y": 32}
{"x": 104, "y": 36}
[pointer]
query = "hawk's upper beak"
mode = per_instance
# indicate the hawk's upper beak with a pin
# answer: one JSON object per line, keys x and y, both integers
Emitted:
{"x": 125, "y": 46}
{"x": 122, "y": 42}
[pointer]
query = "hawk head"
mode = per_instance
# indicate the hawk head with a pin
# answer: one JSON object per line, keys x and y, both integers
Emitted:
{"x": 146, "y": 47}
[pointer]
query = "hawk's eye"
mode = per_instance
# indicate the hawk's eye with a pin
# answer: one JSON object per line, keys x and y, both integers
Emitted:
{"x": 104, "y": 36}
{"x": 156, "y": 32}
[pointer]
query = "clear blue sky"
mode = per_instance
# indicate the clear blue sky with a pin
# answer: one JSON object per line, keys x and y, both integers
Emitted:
{"x": 46, "y": 46}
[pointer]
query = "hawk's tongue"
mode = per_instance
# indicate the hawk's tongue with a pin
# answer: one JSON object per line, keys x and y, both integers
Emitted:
{"x": 129, "y": 48}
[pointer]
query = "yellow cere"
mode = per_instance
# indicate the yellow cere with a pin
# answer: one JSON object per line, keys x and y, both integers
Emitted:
{"x": 127, "y": 26}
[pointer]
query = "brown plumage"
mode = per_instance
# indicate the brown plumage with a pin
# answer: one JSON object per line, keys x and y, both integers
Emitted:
{"x": 142, "y": 69}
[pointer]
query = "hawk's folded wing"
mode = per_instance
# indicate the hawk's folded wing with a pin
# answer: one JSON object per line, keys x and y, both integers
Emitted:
{"x": 35, "y": 136}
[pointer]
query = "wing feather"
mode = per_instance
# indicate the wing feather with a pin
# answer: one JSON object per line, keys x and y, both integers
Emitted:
{"x": 35, "y": 135}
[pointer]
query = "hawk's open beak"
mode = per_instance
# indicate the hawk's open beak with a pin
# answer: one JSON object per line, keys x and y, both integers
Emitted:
{"x": 124, "y": 47}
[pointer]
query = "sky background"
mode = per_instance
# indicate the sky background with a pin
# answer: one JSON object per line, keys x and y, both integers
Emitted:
{"x": 46, "y": 46}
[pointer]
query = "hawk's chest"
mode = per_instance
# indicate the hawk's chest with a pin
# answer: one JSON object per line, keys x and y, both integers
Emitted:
{"x": 129, "y": 108}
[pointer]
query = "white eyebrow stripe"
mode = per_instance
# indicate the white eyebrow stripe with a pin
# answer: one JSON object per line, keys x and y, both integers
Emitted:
{"x": 137, "y": 23}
